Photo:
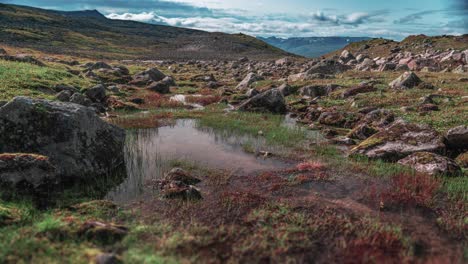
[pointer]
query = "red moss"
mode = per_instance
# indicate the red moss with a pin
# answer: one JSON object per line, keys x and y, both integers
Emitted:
{"x": 407, "y": 189}
{"x": 203, "y": 100}
{"x": 310, "y": 166}
{"x": 379, "y": 247}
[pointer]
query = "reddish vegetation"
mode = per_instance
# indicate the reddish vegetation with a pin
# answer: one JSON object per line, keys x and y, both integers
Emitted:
{"x": 378, "y": 247}
{"x": 411, "y": 190}
{"x": 310, "y": 166}
{"x": 203, "y": 100}
{"x": 157, "y": 100}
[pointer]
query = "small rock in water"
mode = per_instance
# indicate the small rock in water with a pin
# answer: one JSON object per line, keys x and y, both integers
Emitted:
{"x": 178, "y": 174}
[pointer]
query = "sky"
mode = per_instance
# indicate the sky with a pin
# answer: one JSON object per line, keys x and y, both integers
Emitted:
{"x": 393, "y": 19}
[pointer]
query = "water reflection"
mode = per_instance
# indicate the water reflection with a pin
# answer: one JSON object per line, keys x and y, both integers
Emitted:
{"x": 149, "y": 152}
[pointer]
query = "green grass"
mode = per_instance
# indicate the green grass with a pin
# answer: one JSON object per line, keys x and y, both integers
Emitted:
{"x": 456, "y": 188}
{"x": 24, "y": 79}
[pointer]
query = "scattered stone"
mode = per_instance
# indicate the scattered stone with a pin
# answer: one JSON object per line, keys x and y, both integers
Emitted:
{"x": 406, "y": 81}
{"x": 248, "y": 80}
{"x": 313, "y": 91}
{"x": 64, "y": 96}
{"x": 80, "y": 99}
{"x": 107, "y": 258}
{"x": 97, "y": 93}
{"x": 286, "y": 89}
{"x": 362, "y": 131}
{"x": 361, "y": 88}
{"x": 432, "y": 164}
{"x": 269, "y": 101}
{"x": 147, "y": 77}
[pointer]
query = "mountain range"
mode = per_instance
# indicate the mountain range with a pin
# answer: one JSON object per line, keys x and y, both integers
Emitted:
{"x": 312, "y": 47}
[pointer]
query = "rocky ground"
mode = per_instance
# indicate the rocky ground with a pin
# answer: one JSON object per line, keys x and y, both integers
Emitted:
{"x": 388, "y": 185}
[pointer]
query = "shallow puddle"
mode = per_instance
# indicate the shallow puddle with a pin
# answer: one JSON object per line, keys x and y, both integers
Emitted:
{"x": 151, "y": 152}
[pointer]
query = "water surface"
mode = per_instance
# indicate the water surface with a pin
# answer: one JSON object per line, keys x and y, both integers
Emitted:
{"x": 151, "y": 152}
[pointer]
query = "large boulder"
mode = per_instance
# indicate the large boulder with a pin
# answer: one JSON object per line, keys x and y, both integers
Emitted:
{"x": 457, "y": 138}
{"x": 269, "y": 101}
{"x": 97, "y": 93}
{"x": 399, "y": 140}
{"x": 76, "y": 140}
{"x": 147, "y": 77}
{"x": 248, "y": 80}
{"x": 431, "y": 163}
{"x": 329, "y": 67}
{"x": 163, "y": 86}
{"x": 346, "y": 56}
{"x": 407, "y": 80}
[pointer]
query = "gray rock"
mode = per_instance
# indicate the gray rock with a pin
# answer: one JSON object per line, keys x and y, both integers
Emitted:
{"x": 251, "y": 93}
{"x": 99, "y": 65}
{"x": 457, "y": 138}
{"x": 399, "y": 140}
{"x": 97, "y": 93}
{"x": 269, "y": 101}
{"x": 432, "y": 164}
{"x": 64, "y": 96}
{"x": 248, "y": 80}
{"x": 178, "y": 174}
{"x": 286, "y": 89}
{"x": 148, "y": 76}
{"x": 406, "y": 81}
{"x": 76, "y": 140}
{"x": 80, "y": 99}
{"x": 163, "y": 86}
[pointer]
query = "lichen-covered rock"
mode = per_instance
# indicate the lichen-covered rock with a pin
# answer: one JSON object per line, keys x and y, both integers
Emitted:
{"x": 33, "y": 169}
{"x": 269, "y": 101}
{"x": 431, "y": 163}
{"x": 78, "y": 143}
{"x": 362, "y": 131}
{"x": 399, "y": 140}
{"x": 406, "y": 81}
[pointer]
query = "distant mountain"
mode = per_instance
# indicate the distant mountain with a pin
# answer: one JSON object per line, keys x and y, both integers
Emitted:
{"x": 312, "y": 47}
{"x": 89, "y": 33}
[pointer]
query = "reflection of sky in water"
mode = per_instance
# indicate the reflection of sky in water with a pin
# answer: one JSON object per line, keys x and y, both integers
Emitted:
{"x": 148, "y": 154}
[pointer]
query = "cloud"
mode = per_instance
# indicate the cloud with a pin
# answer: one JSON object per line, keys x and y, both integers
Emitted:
{"x": 411, "y": 18}
{"x": 353, "y": 19}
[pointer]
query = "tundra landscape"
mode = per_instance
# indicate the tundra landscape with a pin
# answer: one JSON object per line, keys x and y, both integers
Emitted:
{"x": 133, "y": 142}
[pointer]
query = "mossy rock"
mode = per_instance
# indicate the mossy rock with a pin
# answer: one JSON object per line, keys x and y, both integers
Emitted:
{"x": 462, "y": 160}
{"x": 9, "y": 215}
{"x": 97, "y": 207}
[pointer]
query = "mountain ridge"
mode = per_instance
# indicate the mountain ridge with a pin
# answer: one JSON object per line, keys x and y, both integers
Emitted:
{"x": 312, "y": 46}
{"x": 88, "y": 33}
